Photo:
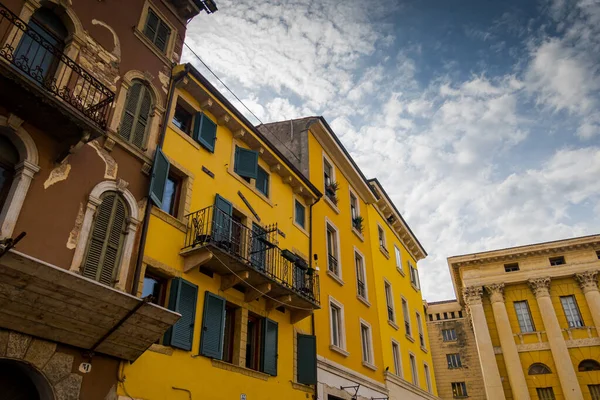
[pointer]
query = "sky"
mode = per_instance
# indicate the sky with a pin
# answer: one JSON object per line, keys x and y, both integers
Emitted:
{"x": 480, "y": 118}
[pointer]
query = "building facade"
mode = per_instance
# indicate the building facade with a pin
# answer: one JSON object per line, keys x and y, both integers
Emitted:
{"x": 534, "y": 311}
{"x": 82, "y": 94}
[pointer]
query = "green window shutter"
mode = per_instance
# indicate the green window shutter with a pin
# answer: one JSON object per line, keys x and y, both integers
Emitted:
{"x": 262, "y": 181}
{"x": 138, "y": 105}
{"x": 151, "y": 27}
{"x": 182, "y": 299}
{"x": 213, "y": 326}
{"x": 162, "y": 36}
{"x": 205, "y": 131}
{"x": 141, "y": 126}
{"x": 160, "y": 173}
{"x": 268, "y": 361}
{"x": 246, "y": 162}
{"x": 131, "y": 102}
{"x": 307, "y": 359}
{"x": 103, "y": 254}
{"x": 222, "y": 220}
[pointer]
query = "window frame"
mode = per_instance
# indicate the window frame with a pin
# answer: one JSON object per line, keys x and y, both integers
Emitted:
{"x": 330, "y": 226}
{"x": 165, "y": 55}
{"x": 389, "y": 300}
{"x": 174, "y": 205}
{"x": 573, "y": 312}
{"x": 463, "y": 389}
{"x": 556, "y": 261}
{"x": 397, "y": 358}
{"x": 363, "y": 269}
{"x": 303, "y": 226}
{"x": 382, "y": 239}
{"x": 368, "y": 356}
{"x": 453, "y": 360}
{"x": 512, "y": 267}
{"x": 414, "y": 276}
{"x": 182, "y": 104}
{"x": 420, "y": 330}
{"x": 398, "y": 256}
{"x": 427, "y": 372}
{"x": 341, "y": 325}
{"x": 545, "y": 393}
{"x": 146, "y": 88}
{"x": 519, "y": 317}
{"x": 406, "y": 314}
{"x": 594, "y": 391}
{"x": 444, "y": 336}
{"x": 412, "y": 359}
{"x": 332, "y": 178}
{"x": 260, "y": 169}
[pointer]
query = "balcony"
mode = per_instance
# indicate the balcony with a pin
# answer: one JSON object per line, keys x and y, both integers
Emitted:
{"x": 250, "y": 258}
{"x": 39, "y": 84}
{"x": 188, "y": 9}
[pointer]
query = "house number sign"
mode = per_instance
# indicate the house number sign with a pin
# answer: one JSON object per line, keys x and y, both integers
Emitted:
{"x": 242, "y": 396}
{"x": 85, "y": 368}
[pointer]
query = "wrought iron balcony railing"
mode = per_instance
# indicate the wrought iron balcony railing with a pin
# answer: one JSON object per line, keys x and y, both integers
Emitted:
{"x": 255, "y": 247}
{"x": 391, "y": 316}
{"x": 29, "y": 51}
{"x": 332, "y": 264}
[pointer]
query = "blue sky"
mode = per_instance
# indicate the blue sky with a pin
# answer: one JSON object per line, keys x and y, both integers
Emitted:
{"x": 479, "y": 117}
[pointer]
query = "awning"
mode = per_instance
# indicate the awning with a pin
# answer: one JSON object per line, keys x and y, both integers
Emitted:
{"x": 52, "y": 303}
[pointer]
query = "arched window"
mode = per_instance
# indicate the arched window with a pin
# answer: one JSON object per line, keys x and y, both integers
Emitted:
{"x": 138, "y": 104}
{"x": 589, "y": 365}
{"x": 38, "y": 60}
{"x": 103, "y": 255}
{"x": 9, "y": 158}
{"x": 539, "y": 369}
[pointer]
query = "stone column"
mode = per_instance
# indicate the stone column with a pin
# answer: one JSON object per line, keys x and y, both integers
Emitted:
{"x": 514, "y": 368}
{"x": 487, "y": 357}
{"x": 589, "y": 284}
{"x": 558, "y": 346}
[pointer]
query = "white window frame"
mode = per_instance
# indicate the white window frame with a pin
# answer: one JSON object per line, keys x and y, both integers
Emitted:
{"x": 422, "y": 341}
{"x": 444, "y": 336}
{"x": 368, "y": 358}
{"x": 462, "y": 385}
{"x": 397, "y": 358}
{"x": 329, "y": 223}
{"x": 527, "y": 322}
{"x": 389, "y": 299}
{"x": 352, "y": 193}
{"x": 406, "y": 316}
{"x": 572, "y": 313}
{"x": 398, "y": 256}
{"x": 326, "y": 158}
{"x": 427, "y": 371}
{"x": 302, "y": 203}
{"x": 341, "y": 325}
{"x": 414, "y": 276}
{"x": 383, "y": 240}
{"x": 413, "y": 368}
{"x": 139, "y": 31}
{"x": 453, "y": 360}
{"x": 364, "y": 272}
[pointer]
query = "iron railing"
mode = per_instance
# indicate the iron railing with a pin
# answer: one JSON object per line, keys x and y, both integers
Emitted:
{"x": 362, "y": 290}
{"x": 34, "y": 56}
{"x": 255, "y": 246}
{"x": 407, "y": 328}
{"x": 390, "y": 311}
{"x": 332, "y": 264}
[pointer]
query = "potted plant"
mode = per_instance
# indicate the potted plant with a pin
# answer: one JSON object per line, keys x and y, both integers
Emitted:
{"x": 331, "y": 191}
{"x": 357, "y": 223}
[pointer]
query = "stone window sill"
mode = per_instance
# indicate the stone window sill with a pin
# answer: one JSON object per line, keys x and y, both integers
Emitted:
{"x": 140, "y": 35}
{"x": 401, "y": 271}
{"x": 393, "y": 325}
{"x": 363, "y": 300}
{"x": 369, "y": 365}
{"x": 414, "y": 287}
{"x": 339, "y": 350}
{"x": 301, "y": 386}
{"x": 424, "y": 350}
{"x": 240, "y": 370}
{"x": 331, "y": 204}
{"x": 335, "y": 277}
{"x": 384, "y": 252}
{"x": 185, "y": 136}
{"x": 168, "y": 218}
{"x": 159, "y": 348}
{"x": 300, "y": 228}
{"x": 410, "y": 338}
{"x": 128, "y": 147}
{"x": 250, "y": 186}
{"x": 358, "y": 234}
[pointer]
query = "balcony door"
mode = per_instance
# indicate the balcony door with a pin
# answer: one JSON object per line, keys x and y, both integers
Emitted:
{"x": 222, "y": 222}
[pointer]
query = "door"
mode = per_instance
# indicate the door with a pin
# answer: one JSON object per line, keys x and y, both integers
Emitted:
{"x": 258, "y": 252}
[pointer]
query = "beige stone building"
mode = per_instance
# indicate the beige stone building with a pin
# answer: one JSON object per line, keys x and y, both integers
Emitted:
{"x": 534, "y": 312}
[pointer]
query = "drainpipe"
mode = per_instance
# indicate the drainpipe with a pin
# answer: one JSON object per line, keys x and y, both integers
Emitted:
{"x": 310, "y": 263}
{"x": 161, "y": 139}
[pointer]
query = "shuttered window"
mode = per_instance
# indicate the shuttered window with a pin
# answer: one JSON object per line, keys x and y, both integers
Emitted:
{"x": 594, "y": 391}
{"x": 205, "y": 131}
{"x": 182, "y": 299}
{"x": 157, "y": 30}
{"x": 246, "y": 162}
{"x": 307, "y": 359}
{"x": 213, "y": 326}
{"x": 138, "y": 105}
{"x": 103, "y": 255}
{"x": 269, "y": 346}
{"x": 160, "y": 174}
{"x": 262, "y": 181}
{"x": 545, "y": 393}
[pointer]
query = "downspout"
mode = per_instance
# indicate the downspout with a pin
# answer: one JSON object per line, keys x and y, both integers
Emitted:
{"x": 146, "y": 222}
{"x": 310, "y": 263}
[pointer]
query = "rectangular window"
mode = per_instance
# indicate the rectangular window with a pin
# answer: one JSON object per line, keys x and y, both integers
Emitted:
{"x": 398, "y": 258}
{"x": 253, "y": 342}
{"x": 183, "y": 118}
{"x": 414, "y": 276}
{"x": 406, "y": 317}
{"x": 367, "y": 348}
{"x": 453, "y": 360}
{"x": 381, "y": 234}
{"x": 229, "y": 333}
{"x": 170, "y": 200}
{"x": 598, "y": 254}
{"x": 299, "y": 214}
{"x": 459, "y": 389}
{"x": 337, "y": 338}
{"x": 156, "y": 287}
{"x": 413, "y": 370}
{"x": 353, "y": 208}
{"x": 330, "y": 184}
{"x": 428, "y": 378}
{"x": 245, "y": 163}
{"x": 545, "y": 393}
{"x": 557, "y": 260}
{"x": 262, "y": 181}
{"x": 420, "y": 328}
{"x": 511, "y": 267}
{"x": 524, "y": 316}
{"x": 594, "y": 391}
{"x": 396, "y": 356}
{"x": 389, "y": 299}
{"x": 361, "y": 282}
{"x": 572, "y": 313}
{"x": 157, "y": 31}
{"x": 332, "y": 250}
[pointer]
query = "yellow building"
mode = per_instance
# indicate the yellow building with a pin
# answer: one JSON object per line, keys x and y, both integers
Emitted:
{"x": 364, "y": 250}
{"x": 228, "y": 248}
{"x": 535, "y": 310}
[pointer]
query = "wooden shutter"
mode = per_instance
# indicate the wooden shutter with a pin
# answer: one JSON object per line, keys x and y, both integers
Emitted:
{"x": 213, "y": 326}
{"x": 162, "y": 36}
{"x": 103, "y": 254}
{"x": 151, "y": 25}
{"x": 268, "y": 361}
{"x": 222, "y": 220}
{"x": 262, "y": 181}
{"x": 246, "y": 162}
{"x": 131, "y": 102}
{"x": 160, "y": 173}
{"x": 205, "y": 131}
{"x": 141, "y": 126}
{"x": 307, "y": 359}
{"x": 182, "y": 299}
{"x": 138, "y": 105}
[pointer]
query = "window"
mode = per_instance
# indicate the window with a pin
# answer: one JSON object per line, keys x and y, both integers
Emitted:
{"x": 246, "y": 163}
{"x": 332, "y": 250}
{"x": 396, "y": 356}
{"x": 361, "y": 281}
{"x": 597, "y": 256}
{"x": 511, "y": 267}
{"x": 538, "y": 369}
{"x": 420, "y": 328}
{"x": 336, "y": 312}
{"x": 453, "y": 361}
{"x": 355, "y": 214}
{"x": 183, "y": 118}
{"x": 136, "y": 114}
{"x": 414, "y": 276}
{"x": 9, "y": 158}
{"x": 103, "y": 255}
{"x": 594, "y": 391}
{"x": 524, "y": 316}
{"x": 331, "y": 186}
{"x": 253, "y": 342}
{"x": 156, "y": 287}
{"x": 428, "y": 378}
{"x": 157, "y": 31}
{"x": 262, "y": 181}
{"x": 261, "y": 344}
{"x": 569, "y": 305}
{"x": 299, "y": 214}
{"x": 306, "y": 359}
{"x": 389, "y": 299}
{"x": 545, "y": 393}
{"x": 229, "y": 333}
{"x": 413, "y": 370}
{"x": 366, "y": 341}
{"x": 557, "y": 260}
{"x": 381, "y": 235}
{"x": 459, "y": 389}
{"x": 171, "y": 196}
{"x": 398, "y": 258}
{"x": 205, "y": 132}
{"x": 183, "y": 296}
{"x": 589, "y": 365}
{"x": 406, "y": 317}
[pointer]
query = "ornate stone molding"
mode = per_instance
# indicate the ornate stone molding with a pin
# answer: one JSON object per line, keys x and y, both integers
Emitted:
{"x": 540, "y": 286}
{"x": 496, "y": 292}
{"x": 472, "y": 295}
{"x": 588, "y": 281}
